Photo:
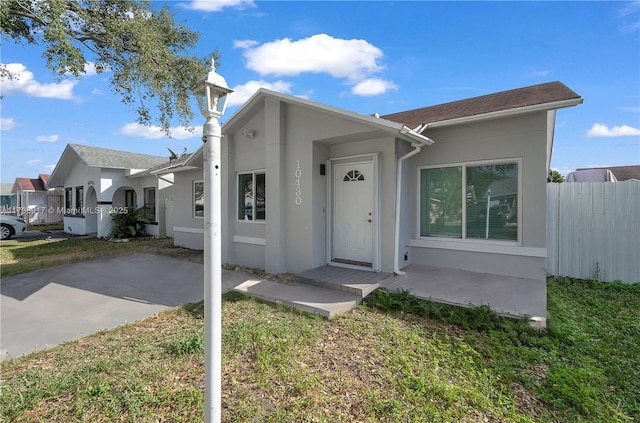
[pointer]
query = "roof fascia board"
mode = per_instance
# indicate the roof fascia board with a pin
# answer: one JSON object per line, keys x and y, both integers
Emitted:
{"x": 505, "y": 113}
{"x": 406, "y": 133}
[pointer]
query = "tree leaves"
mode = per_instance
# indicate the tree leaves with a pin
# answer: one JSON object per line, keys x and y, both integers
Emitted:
{"x": 145, "y": 49}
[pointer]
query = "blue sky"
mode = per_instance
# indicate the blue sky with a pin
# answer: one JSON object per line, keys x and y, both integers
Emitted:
{"x": 366, "y": 57}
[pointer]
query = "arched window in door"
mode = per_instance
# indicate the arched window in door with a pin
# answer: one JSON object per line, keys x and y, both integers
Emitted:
{"x": 353, "y": 175}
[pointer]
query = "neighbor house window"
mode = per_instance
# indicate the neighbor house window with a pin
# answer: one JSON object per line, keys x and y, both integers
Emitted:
{"x": 129, "y": 198}
{"x": 150, "y": 203}
{"x": 79, "y": 200}
{"x": 198, "y": 199}
{"x": 68, "y": 200}
{"x": 470, "y": 201}
{"x": 251, "y": 196}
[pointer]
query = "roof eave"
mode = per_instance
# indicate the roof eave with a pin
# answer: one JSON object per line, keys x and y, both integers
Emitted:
{"x": 505, "y": 113}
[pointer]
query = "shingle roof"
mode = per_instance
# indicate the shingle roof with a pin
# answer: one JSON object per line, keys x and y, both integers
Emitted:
{"x": 115, "y": 159}
{"x": 31, "y": 184}
{"x": 550, "y": 92}
{"x": 5, "y": 188}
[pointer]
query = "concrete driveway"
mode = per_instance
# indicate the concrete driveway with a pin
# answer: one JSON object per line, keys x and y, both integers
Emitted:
{"x": 48, "y": 307}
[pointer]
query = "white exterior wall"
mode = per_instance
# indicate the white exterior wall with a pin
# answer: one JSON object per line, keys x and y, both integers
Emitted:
{"x": 521, "y": 137}
{"x": 292, "y": 140}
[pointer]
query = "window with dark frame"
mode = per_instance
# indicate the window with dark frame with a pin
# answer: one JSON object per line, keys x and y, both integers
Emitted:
{"x": 198, "y": 199}
{"x": 79, "y": 200}
{"x": 68, "y": 200}
{"x": 150, "y": 203}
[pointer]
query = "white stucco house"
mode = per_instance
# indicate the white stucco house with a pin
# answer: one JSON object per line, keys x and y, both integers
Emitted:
{"x": 460, "y": 185}
{"x": 97, "y": 180}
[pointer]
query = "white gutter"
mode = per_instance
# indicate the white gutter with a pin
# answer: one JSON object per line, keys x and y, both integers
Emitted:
{"x": 417, "y": 142}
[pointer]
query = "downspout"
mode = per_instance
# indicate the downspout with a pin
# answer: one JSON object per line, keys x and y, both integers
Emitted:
{"x": 418, "y": 141}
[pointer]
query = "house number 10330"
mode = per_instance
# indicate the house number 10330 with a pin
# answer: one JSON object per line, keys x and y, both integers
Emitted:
{"x": 298, "y": 187}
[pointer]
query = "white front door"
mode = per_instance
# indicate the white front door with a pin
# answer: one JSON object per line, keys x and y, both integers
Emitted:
{"x": 354, "y": 213}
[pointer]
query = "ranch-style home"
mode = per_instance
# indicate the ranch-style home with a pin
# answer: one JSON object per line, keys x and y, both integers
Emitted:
{"x": 458, "y": 186}
{"x": 99, "y": 181}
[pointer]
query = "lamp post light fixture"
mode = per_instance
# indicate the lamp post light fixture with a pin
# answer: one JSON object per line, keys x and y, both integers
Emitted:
{"x": 211, "y": 93}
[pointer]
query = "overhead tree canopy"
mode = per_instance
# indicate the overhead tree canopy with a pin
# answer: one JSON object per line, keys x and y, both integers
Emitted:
{"x": 146, "y": 50}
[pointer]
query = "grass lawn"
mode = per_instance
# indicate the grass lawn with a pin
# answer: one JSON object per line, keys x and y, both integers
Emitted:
{"x": 396, "y": 358}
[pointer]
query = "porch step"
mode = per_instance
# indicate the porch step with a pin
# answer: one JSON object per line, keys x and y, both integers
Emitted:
{"x": 312, "y": 299}
{"x": 357, "y": 282}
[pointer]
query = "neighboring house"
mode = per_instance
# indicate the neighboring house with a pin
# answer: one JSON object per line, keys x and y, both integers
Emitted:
{"x": 619, "y": 173}
{"x": 99, "y": 181}
{"x": 35, "y": 202}
{"x": 306, "y": 184}
{"x": 7, "y": 198}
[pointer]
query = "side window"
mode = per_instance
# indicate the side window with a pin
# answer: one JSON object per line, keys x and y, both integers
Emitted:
{"x": 79, "y": 199}
{"x": 198, "y": 199}
{"x": 252, "y": 196}
{"x": 150, "y": 203}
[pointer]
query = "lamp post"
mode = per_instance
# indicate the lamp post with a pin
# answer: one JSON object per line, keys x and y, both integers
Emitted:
{"x": 211, "y": 93}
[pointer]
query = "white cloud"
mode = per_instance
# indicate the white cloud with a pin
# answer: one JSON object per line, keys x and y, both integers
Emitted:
{"x": 32, "y": 162}
{"x": 244, "y": 43}
{"x": 47, "y": 138}
{"x": 600, "y": 130}
{"x": 7, "y": 124}
{"x": 23, "y": 82}
{"x": 218, "y": 5}
{"x": 49, "y": 167}
{"x": 537, "y": 74}
{"x": 373, "y": 86}
{"x": 242, "y": 93}
{"x": 155, "y": 132}
{"x": 351, "y": 59}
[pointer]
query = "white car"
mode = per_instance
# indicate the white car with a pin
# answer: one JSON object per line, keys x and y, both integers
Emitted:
{"x": 11, "y": 226}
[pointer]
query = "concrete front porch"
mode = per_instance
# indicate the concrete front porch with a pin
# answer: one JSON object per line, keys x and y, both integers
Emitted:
{"x": 331, "y": 290}
{"x": 507, "y": 296}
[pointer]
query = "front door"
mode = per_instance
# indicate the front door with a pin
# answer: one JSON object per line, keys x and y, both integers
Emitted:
{"x": 354, "y": 214}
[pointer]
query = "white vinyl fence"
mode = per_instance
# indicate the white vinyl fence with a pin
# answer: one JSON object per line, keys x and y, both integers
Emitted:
{"x": 593, "y": 230}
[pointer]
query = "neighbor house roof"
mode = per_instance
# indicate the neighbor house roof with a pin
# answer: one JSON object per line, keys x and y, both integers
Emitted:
{"x": 31, "y": 184}
{"x": 100, "y": 158}
{"x": 5, "y": 188}
{"x": 622, "y": 173}
{"x": 115, "y": 159}
{"x": 548, "y": 96}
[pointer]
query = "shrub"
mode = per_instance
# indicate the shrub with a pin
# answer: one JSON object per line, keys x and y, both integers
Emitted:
{"x": 131, "y": 223}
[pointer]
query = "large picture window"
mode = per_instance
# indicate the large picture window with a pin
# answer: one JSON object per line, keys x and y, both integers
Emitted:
{"x": 470, "y": 201}
{"x": 251, "y": 196}
{"x": 198, "y": 199}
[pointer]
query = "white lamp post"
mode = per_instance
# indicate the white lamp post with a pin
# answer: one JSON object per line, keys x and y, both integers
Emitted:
{"x": 211, "y": 93}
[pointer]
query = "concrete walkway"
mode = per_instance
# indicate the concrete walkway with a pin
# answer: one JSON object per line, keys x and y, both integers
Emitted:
{"x": 48, "y": 307}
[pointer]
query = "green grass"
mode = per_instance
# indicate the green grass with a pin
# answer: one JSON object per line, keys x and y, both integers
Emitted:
{"x": 395, "y": 359}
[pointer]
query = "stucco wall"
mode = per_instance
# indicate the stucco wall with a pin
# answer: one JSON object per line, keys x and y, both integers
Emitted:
{"x": 187, "y": 229}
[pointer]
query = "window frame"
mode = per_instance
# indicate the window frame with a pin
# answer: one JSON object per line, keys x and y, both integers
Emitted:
{"x": 79, "y": 200}
{"x": 193, "y": 197}
{"x": 149, "y": 212}
{"x": 68, "y": 200}
{"x": 253, "y": 174}
{"x": 465, "y": 239}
